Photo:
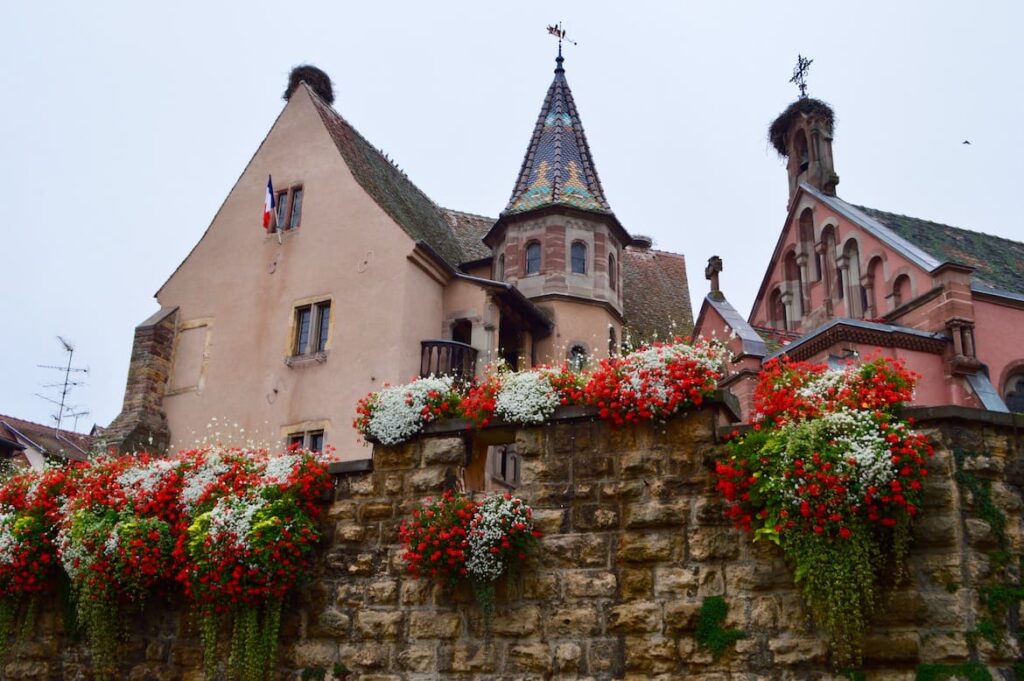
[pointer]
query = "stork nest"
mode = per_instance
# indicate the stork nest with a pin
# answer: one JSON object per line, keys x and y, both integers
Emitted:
{"x": 314, "y": 78}
{"x": 807, "y": 107}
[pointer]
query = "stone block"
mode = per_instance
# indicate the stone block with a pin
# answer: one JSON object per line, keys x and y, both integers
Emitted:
{"x": 792, "y": 651}
{"x": 332, "y": 622}
{"x": 656, "y": 514}
{"x": 427, "y": 481}
{"x": 539, "y": 585}
{"x": 640, "y": 464}
{"x": 516, "y": 622}
{"x": 433, "y": 624}
{"x": 546, "y": 469}
{"x": 418, "y": 657}
{"x": 567, "y": 658}
{"x": 635, "y": 617}
{"x": 892, "y": 646}
{"x": 757, "y": 576}
{"x": 588, "y": 517}
{"x": 944, "y": 647}
{"x": 530, "y": 657}
{"x": 640, "y": 548}
{"x": 472, "y": 656}
{"x": 399, "y": 456}
{"x": 713, "y": 543}
{"x": 587, "y": 466}
{"x": 935, "y": 530}
{"x": 676, "y": 581}
{"x": 576, "y": 550}
{"x": 764, "y": 613}
{"x": 415, "y": 591}
{"x": 376, "y": 510}
{"x": 349, "y": 532}
{"x": 379, "y": 624}
{"x": 590, "y": 584}
{"x": 622, "y": 489}
{"x": 530, "y": 442}
{"x": 636, "y": 582}
{"x": 364, "y": 655}
{"x": 979, "y": 533}
{"x": 681, "y": 615}
{"x": 606, "y": 657}
{"x": 573, "y": 622}
{"x": 444, "y": 450}
{"x": 654, "y": 654}
{"x": 382, "y": 592}
{"x": 315, "y": 653}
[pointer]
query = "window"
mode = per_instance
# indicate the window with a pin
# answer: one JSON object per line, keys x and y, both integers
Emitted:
{"x": 499, "y": 273}
{"x": 504, "y": 465}
{"x": 312, "y": 326}
{"x": 901, "y": 290}
{"x": 313, "y": 440}
{"x": 612, "y": 274}
{"x": 533, "y": 258}
{"x": 577, "y": 358}
{"x": 613, "y": 345}
{"x": 289, "y": 208}
{"x": 1014, "y": 393}
{"x": 578, "y": 256}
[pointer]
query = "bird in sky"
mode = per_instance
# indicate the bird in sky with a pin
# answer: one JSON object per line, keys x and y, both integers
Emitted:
{"x": 966, "y": 142}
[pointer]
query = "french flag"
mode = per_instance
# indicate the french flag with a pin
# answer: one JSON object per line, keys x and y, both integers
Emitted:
{"x": 269, "y": 205}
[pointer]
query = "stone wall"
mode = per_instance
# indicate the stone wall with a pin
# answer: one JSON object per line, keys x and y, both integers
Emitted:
{"x": 634, "y": 543}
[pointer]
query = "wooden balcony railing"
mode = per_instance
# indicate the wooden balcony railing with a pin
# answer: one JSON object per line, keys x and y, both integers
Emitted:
{"x": 447, "y": 358}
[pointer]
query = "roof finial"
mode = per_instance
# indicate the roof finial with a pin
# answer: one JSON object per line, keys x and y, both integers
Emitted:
{"x": 559, "y": 32}
{"x": 803, "y": 65}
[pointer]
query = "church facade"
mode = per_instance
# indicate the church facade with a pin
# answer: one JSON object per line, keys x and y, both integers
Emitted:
{"x": 363, "y": 280}
{"x": 846, "y": 282}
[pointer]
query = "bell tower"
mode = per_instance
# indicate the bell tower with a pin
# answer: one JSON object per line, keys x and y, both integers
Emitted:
{"x": 802, "y": 134}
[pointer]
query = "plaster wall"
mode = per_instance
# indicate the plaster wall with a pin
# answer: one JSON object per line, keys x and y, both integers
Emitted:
{"x": 245, "y": 284}
{"x": 998, "y": 330}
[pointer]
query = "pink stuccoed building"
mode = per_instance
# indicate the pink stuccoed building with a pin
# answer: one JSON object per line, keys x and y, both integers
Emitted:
{"x": 363, "y": 280}
{"x": 847, "y": 282}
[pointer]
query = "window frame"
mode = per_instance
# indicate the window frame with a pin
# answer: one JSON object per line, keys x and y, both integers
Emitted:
{"x": 573, "y": 257}
{"x": 286, "y": 207}
{"x": 526, "y": 257}
{"x": 613, "y": 275}
{"x": 306, "y": 439}
{"x": 577, "y": 361}
{"x": 317, "y": 334}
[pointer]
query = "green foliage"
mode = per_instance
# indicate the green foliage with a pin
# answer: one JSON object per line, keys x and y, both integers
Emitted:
{"x": 9, "y": 606}
{"x": 254, "y": 642}
{"x": 987, "y": 630}
{"x": 1018, "y": 671}
{"x": 710, "y": 633}
{"x": 965, "y": 671}
{"x": 981, "y": 494}
{"x": 854, "y": 675}
{"x": 313, "y": 674}
{"x": 838, "y": 583}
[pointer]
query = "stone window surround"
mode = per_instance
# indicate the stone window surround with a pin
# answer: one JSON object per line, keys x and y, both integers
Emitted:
{"x": 290, "y": 356}
{"x": 305, "y": 428}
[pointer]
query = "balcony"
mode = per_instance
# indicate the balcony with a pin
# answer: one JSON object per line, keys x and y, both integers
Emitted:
{"x": 447, "y": 358}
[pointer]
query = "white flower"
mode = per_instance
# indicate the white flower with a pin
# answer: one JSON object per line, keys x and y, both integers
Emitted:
{"x": 526, "y": 397}
{"x": 142, "y": 481}
{"x": 8, "y": 543}
{"x": 199, "y": 478}
{"x": 279, "y": 468}
{"x": 492, "y": 522}
{"x": 232, "y": 518}
{"x": 397, "y": 412}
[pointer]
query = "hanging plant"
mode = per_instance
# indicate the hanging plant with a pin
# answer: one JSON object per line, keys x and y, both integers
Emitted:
{"x": 522, "y": 397}
{"x": 252, "y": 529}
{"x": 833, "y": 477}
{"x": 396, "y": 413}
{"x": 453, "y": 539}
{"x": 30, "y": 506}
{"x": 656, "y": 381}
{"x": 116, "y": 542}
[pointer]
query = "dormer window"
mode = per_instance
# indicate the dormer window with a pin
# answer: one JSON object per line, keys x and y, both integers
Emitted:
{"x": 533, "y": 258}
{"x": 578, "y": 257}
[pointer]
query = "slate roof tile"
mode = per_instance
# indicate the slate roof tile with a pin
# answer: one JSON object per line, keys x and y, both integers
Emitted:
{"x": 70, "y": 445}
{"x": 656, "y": 296}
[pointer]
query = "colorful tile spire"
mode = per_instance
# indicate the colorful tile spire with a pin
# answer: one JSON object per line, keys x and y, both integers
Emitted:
{"x": 558, "y": 169}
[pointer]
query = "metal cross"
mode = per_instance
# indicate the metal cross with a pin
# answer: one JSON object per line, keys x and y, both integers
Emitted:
{"x": 803, "y": 65}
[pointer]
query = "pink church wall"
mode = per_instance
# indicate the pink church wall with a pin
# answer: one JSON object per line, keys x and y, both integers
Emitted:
{"x": 998, "y": 332}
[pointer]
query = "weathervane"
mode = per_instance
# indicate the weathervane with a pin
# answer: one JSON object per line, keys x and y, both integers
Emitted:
{"x": 559, "y": 32}
{"x": 803, "y": 65}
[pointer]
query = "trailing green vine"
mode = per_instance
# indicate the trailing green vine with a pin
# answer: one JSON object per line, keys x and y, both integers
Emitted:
{"x": 711, "y": 635}
{"x": 965, "y": 671}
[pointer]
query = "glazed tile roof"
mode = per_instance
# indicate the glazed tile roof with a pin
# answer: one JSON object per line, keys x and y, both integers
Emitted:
{"x": 558, "y": 168}
{"x": 389, "y": 187}
{"x": 997, "y": 261}
{"x": 68, "y": 445}
{"x": 656, "y": 296}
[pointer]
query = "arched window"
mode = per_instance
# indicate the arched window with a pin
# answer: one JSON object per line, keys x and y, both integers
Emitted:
{"x": 1013, "y": 393}
{"x": 828, "y": 260}
{"x": 901, "y": 290}
{"x": 612, "y": 274}
{"x": 499, "y": 271}
{"x": 777, "y": 311}
{"x": 800, "y": 146}
{"x": 871, "y": 293}
{"x": 613, "y": 345}
{"x": 795, "y": 278}
{"x": 577, "y": 357}
{"x": 807, "y": 241}
{"x": 533, "y": 258}
{"x": 578, "y": 257}
{"x": 857, "y": 298}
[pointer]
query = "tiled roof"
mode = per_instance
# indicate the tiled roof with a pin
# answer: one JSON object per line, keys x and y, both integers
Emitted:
{"x": 389, "y": 187}
{"x": 558, "y": 168}
{"x": 997, "y": 261}
{"x": 469, "y": 229}
{"x": 656, "y": 296}
{"x": 69, "y": 445}
{"x": 775, "y": 339}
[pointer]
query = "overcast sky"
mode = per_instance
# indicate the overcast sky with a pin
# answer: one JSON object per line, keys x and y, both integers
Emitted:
{"x": 124, "y": 126}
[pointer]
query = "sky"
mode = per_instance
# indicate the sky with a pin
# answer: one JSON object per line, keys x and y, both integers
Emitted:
{"x": 125, "y": 124}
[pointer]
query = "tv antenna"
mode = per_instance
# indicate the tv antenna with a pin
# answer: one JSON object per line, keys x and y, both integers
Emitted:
{"x": 65, "y": 410}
